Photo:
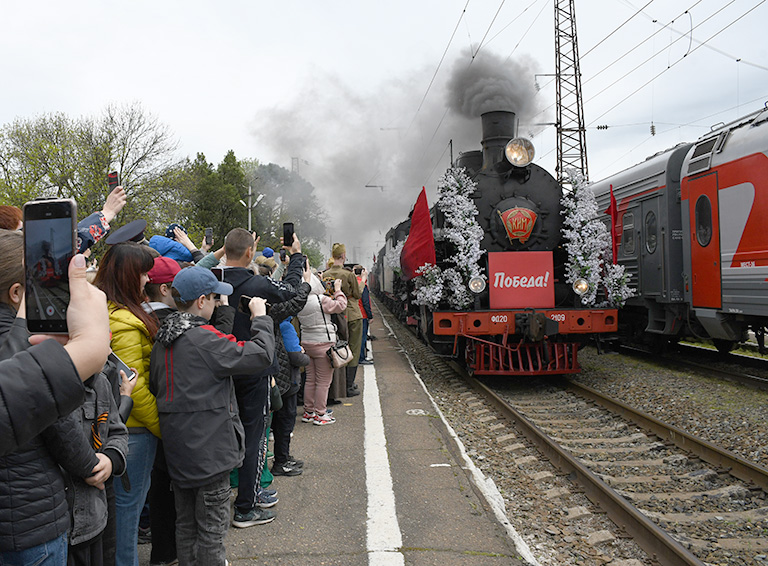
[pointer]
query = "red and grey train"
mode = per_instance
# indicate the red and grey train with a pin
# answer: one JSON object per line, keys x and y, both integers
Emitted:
{"x": 693, "y": 229}
{"x": 525, "y": 319}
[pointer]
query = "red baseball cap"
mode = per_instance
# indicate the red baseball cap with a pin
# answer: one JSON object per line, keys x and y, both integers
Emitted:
{"x": 164, "y": 270}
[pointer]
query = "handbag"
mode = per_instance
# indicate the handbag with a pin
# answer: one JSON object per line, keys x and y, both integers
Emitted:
{"x": 339, "y": 353}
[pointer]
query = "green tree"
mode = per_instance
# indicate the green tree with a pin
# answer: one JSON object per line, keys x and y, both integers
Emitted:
{"x": 57, "y": 156}
{"x": 288, "y": 197}
{"x": 216, "y": 195}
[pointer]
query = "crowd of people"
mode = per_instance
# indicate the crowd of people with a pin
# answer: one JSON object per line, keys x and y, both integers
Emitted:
{"x": 225, "y": 349}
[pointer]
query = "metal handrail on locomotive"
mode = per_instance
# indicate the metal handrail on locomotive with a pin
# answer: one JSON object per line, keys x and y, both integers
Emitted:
{"x": 525, "y": 319}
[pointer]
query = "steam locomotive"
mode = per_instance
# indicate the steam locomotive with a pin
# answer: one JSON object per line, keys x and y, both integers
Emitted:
{"x": 524, "y": 320}
{"x": 694, "y": 237}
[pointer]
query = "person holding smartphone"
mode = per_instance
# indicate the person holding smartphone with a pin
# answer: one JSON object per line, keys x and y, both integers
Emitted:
{"x": 122, "y": 276}
{"x": 40, "y": 384}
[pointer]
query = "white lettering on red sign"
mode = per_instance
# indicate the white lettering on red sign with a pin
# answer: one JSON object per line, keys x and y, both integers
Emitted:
{"x": 502, "y": 280}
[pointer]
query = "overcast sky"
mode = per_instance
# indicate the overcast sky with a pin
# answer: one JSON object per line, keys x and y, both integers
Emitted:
{"x": 341, "y": 85}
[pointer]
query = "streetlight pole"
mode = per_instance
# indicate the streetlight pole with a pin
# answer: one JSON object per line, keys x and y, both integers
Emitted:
{"x": 250, "y": 206}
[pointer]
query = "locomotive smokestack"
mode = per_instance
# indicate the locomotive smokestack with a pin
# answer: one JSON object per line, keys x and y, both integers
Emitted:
{"x": 498, "y": 128}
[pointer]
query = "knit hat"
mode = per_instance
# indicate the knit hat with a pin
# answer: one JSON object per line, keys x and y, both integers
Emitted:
{"x": 338, "y": 250}
{"x": 169, "y": 231}
{"x": 268, "y": 252}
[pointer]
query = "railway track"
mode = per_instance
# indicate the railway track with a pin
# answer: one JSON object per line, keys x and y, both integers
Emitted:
{"x": 683, "y": 500}
{"x": 737, "y": 368}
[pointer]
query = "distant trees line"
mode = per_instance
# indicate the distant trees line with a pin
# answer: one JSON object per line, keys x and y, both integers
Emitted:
{"x": 55, "y": 155}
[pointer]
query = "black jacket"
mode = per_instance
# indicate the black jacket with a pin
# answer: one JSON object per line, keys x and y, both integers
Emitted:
{"x": 245, "y": 282}
{"x": 279, "y": 312}
{"x": 34, "y": 508}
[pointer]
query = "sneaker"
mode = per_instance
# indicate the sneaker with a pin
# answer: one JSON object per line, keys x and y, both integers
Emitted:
{"x": 294, "y": 461}
{"x": 285, "y": 470}
{"x": 325, "y": 419}
{"x": 366, "y": 363}
{"x": 333, "y": 402}
{"x": 267, "y": 491}
{"x": 265, "y": 501}
{"x": 253, "y": 517}
{"x": 353, "y": 392}
{"x": 307, "y": 417}
{"x": 145, "y": 535}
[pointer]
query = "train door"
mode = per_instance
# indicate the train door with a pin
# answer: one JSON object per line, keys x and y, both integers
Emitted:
{"x": 706, "y": 283}
{"x": 650, "y": 248}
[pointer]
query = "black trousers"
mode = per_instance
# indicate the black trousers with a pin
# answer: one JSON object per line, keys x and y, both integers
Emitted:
{"x": 283, "y": 422}
{"x": 253, "y": 402}
{"x": 162, "y": 511}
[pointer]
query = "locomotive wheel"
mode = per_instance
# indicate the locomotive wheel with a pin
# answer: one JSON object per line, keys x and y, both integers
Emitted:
{"x": 724, "y": 346}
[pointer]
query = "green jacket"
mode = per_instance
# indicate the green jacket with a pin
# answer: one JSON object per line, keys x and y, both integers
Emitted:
{"x": 349, "y": 287}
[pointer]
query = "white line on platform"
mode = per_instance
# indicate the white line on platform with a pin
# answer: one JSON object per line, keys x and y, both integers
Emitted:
{"x": 384, "y": 538}
{"x": 486, "y": 485}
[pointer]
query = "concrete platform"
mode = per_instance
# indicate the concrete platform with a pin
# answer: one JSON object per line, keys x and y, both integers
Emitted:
{"x": 385, "y": 485}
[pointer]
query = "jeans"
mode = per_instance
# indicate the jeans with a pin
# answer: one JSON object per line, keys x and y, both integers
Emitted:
{"x": 364, "y": 346}
{"x": 253, "y": 403}
{"x": 128, "y": 504}
{"x": 202, "y": 522}
{"x": 283, "y": 422}
{"x": 50, "y": 553}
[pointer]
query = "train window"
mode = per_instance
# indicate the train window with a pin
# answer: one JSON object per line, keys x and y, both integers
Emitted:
{"x": 650, "y": 232}
{"x": 703, "y": 221}
{"x": 628, "y": 233}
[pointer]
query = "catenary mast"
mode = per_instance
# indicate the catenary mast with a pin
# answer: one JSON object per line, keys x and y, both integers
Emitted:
{"x": 571, "y": 133}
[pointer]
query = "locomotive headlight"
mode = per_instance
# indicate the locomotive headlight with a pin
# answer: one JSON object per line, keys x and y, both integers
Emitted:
{"x": 580, "y": 286}
{"x": 477, "y": 285}
{"x": 519, "y": 152}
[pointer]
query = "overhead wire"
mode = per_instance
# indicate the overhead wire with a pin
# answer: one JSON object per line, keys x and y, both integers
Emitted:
{"x": 625, "y": 22}
{"x": 678, "y": 61}
{"x": 496, "y": 15}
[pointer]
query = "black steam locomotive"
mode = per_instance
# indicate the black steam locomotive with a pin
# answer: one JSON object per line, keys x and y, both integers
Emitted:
{"x": 523, "y": 320}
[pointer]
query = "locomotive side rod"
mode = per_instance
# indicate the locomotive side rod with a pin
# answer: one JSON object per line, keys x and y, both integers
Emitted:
{"x": 649, "y": 536}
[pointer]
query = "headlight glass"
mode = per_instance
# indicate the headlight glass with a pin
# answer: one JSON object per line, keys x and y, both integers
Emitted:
{"x": 519, "y": 152}
{"x": 580, "y": 286}
{"x": 477, "y": 285}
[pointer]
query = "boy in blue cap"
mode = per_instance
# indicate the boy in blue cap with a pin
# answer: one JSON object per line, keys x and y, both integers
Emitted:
{"x": 190, "y": 371}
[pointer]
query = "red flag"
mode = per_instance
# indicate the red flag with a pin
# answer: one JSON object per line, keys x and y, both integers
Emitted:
{"x": 613, "y": 211}
{"x": 419, "y": 248}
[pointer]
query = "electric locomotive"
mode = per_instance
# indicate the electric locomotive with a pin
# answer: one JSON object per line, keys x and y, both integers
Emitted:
{"x": 524, "y": 320}
{"x": 694, "y": 237}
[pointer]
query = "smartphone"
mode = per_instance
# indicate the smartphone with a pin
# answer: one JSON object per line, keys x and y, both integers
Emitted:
{"x": 121, "y": 366}
{"x": 282, "y": 255}
{"x": 288, "y": 234}
{"x": 209, "y": 236}
{"x": 218, "y": 272}
{"x": 113, "y": 180}
{"x": 50, "y": 235}
{"x": 242, "y": 305}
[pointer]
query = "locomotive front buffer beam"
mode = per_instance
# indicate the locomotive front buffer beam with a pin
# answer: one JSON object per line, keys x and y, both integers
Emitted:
{"x": 517, "y": 342}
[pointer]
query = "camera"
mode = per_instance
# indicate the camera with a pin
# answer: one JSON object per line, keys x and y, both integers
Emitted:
{"x": 282, "y": 255}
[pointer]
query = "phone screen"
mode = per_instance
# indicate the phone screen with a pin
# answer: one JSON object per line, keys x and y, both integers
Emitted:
{"x": 288, "y": 233}
{"x": 121, "y": 365}
{"x": 49, "y": 244}
{"x": 218, "y": 272}
{"x": 209, "y": 236}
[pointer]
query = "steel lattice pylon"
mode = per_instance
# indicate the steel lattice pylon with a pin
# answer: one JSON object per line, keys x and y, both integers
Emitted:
{"x": 571, "y": 133}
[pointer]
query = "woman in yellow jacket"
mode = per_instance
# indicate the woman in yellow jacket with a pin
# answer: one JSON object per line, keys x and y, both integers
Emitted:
{"x": 122, "y": 275}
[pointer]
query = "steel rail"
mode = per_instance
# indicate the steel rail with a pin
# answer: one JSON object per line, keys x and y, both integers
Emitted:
{"x": 650, "y": 537}
{"x": 735, "y": 465}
